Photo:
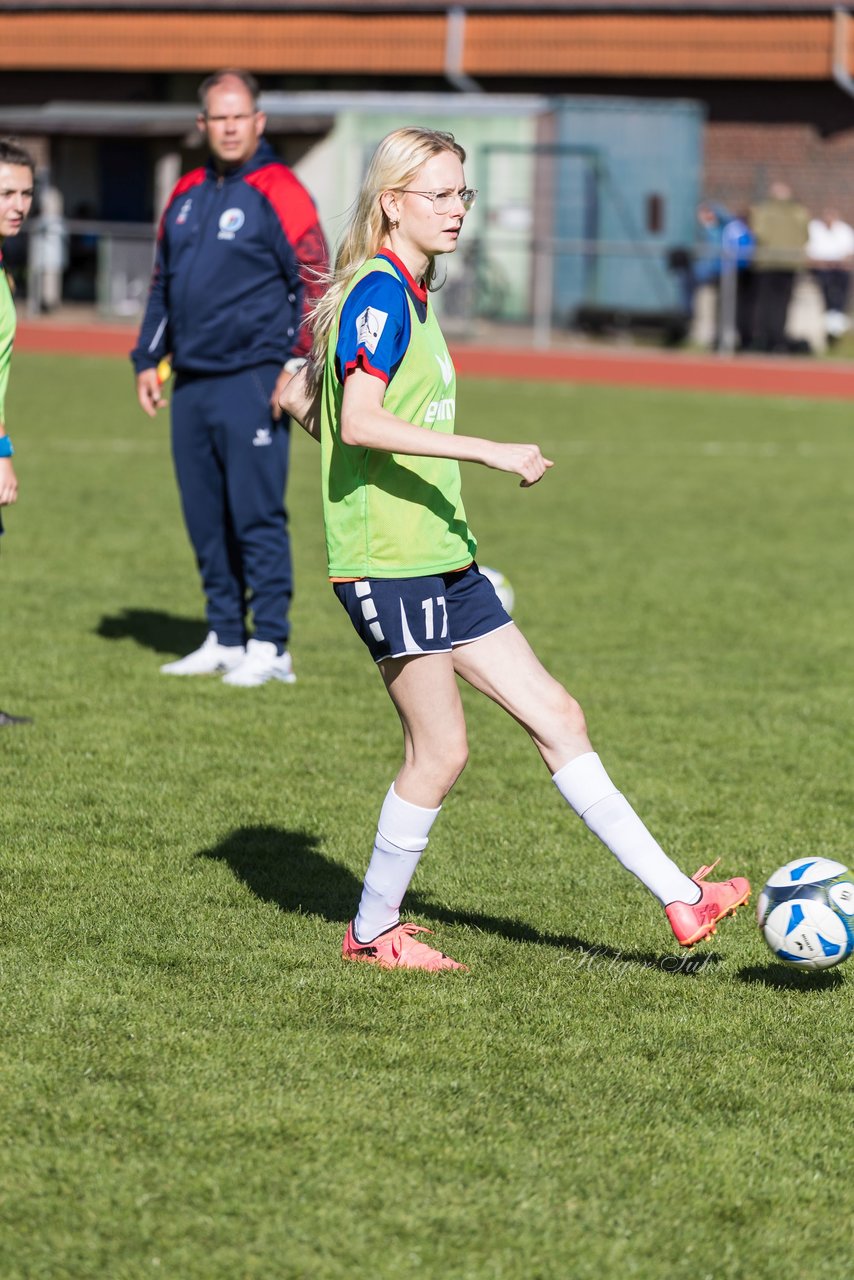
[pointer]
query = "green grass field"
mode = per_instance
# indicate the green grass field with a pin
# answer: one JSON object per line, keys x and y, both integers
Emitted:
{"x": 193, "y": 1085}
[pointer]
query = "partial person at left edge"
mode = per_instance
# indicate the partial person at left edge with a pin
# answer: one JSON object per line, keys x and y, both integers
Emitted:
{"x": 240, "y": 255}
{"x": 16, "y": 197}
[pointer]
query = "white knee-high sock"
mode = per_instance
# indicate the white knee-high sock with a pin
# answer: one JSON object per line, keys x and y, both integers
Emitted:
{"x": 585, "y": 785}
{"x": 402, "y": 833}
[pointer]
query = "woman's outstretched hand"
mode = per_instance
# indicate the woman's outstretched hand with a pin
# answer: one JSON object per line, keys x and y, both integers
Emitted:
{"x": 525, "y": 460}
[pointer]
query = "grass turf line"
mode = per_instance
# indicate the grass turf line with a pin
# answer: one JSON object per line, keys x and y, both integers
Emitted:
{"x": 193, "y": 1085}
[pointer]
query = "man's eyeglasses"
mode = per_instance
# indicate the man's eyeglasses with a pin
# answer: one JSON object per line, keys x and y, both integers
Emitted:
{"x": 238, "y": 115}
{"x": 444, "y": 201}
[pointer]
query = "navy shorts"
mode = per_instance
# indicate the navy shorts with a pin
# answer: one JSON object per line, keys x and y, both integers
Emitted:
{"x": 400, "y": 616}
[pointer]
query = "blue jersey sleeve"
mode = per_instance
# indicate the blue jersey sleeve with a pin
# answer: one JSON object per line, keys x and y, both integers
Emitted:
{"x": 374, "y": 329}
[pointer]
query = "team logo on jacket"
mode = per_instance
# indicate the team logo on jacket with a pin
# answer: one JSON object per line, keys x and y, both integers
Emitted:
{"x": 369, "y": 327}
{"x": 184, "y": 212}
{"x": 263, "y": 436}
{"x": 230, "y": 222}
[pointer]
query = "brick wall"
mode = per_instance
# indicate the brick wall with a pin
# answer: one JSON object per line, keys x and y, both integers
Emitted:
{"x": 742, "y": 158}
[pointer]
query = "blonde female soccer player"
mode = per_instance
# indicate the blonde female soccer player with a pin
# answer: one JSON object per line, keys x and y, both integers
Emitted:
{"x": 380, "y": 395}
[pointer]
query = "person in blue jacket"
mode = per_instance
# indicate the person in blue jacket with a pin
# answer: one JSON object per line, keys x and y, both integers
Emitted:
{"x": 240, "y": 256}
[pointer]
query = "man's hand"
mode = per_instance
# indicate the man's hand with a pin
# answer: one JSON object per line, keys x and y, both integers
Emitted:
{"x": 281, "y": 382}
{"x": 148, "y": 392}
{"x": 8, "y": 483}
{"x": 301, "y": 404}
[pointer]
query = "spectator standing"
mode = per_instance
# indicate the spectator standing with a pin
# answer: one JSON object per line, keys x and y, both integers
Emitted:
{"x": 830, "y": 250}
{"x": 721, "y": 259}
{"x": 737, "y": 277}
{"x": 711, "y": 220}
{"x": 701, "y": 265}
{"x": 239, "y": 256}
{"x": 780, "y": 226}
{"x": 16, "y": 199}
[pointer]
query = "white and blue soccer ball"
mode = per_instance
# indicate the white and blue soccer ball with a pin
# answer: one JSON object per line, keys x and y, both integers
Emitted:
{"x": 806, "y": 913}
{"x": 503, "y": 589}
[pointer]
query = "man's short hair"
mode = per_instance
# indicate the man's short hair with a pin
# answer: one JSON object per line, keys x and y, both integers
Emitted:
{"x": 246, "y": 79}
{"x": 11, "y": 152}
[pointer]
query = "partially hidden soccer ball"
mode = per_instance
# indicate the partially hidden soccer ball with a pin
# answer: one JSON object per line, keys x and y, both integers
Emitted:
{"x": 806, "y": 913}
{"x": 503, "y": 589}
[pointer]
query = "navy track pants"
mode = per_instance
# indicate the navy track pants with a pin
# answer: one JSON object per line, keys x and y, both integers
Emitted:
{"x": 231, "y": 461}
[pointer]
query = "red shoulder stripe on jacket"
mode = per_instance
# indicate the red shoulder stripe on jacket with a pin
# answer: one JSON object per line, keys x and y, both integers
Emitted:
{"x": 293, "y": 205}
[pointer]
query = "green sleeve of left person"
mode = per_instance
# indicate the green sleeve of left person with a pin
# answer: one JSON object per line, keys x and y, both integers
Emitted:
{"x": 7, "y": 338}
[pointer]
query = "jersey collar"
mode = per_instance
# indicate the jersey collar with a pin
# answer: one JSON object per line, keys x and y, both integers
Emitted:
{"x": 418, "y": 290}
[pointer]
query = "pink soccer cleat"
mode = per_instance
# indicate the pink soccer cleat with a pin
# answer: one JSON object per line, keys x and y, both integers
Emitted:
{"x": 397, "y": 949}
{"x": 692, "y": 921}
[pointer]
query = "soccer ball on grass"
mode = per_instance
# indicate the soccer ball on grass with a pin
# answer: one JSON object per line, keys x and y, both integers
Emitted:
{"x": 503, "y": 589}
{"x": 806, "y": 913}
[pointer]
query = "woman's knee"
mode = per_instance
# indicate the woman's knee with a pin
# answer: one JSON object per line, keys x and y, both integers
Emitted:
{"x": 453, "y": 760}
{"x": 575, "y": 718}
{"x": 458, "y": 761}
{"x": 563, "y": 722}
{"x": 563, "y": 710}
{"x": 444, "y": 761}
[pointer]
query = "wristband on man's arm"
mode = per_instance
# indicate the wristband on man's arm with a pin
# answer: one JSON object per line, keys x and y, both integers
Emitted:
{"x": 6, "y": 449}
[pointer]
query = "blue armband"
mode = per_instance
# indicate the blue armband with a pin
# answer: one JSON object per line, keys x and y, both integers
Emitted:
{"x": 6, "y": 449}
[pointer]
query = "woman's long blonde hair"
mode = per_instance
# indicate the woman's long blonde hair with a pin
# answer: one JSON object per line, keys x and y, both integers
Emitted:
{"x": 393, "y": 166}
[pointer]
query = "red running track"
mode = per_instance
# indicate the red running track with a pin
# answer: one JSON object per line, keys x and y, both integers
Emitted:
{"x": 752, "y": 375}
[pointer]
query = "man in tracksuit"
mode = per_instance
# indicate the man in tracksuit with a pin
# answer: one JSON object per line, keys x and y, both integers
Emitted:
{"x": 239, "y": 255}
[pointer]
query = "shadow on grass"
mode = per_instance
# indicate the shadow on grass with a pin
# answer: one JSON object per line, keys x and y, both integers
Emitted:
{"x": 153, "y": 629}
{"x": 781, "y": 978}
{"x": 287, "y": 868}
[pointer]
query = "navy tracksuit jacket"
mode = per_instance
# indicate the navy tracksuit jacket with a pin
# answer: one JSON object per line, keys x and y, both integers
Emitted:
{"x": 233, "y": 274}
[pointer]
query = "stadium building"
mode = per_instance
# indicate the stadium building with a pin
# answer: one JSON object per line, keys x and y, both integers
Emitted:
{"x": 551, "y": 96}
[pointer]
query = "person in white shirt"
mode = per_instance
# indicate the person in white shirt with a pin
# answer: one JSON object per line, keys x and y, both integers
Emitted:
{"x": 830, "y": 250}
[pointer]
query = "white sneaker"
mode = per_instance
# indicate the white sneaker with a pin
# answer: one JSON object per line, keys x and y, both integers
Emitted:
{"x": 836, "y": 323}
{"x": 210, "y": 660}
{"x": 261, "y": 664}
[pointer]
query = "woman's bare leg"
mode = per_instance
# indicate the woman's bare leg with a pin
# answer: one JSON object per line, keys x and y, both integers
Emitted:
{"x": 425, "y": 694}
{"x": 424, "y": 691}
{"x": 504, "y": 667}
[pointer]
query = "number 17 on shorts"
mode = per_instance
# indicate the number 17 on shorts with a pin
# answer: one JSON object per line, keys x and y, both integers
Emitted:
{"x": 400, "y": 616}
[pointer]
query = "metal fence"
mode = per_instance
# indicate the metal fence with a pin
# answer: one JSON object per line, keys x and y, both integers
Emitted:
{"x": 105, "y": 264}
{"x": 676, "y": 302}
{"x": 535, "y": 291}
